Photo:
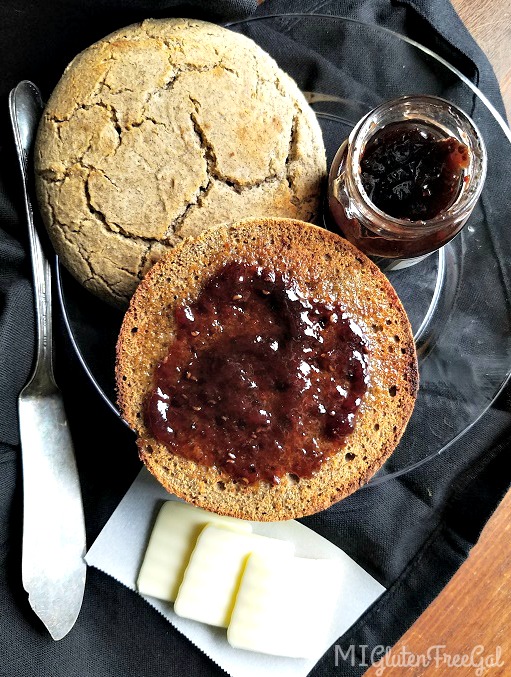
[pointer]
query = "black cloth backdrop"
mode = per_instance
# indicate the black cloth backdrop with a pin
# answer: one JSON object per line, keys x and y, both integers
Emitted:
{"x": 412, "y": 533}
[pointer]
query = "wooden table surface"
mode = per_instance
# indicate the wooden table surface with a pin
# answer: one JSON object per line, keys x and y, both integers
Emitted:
{"x": 474, "y": 610}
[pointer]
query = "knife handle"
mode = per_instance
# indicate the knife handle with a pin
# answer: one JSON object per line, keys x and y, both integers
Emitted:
{"x": 28, "y": 113}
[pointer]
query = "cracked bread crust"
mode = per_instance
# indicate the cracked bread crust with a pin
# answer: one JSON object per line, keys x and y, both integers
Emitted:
{"x": 161, "y": 130}
{"x": 327, "y": 266}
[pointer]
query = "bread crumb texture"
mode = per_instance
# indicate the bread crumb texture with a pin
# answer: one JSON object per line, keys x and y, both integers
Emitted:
{"x": 160, "y": 131}
{"x": 326, "y": 267}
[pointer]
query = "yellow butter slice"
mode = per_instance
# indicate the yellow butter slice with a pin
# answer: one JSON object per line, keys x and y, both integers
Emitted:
{"x": 171, "y": 543}
{"x": 284, "y": 606}
{"x": 213, "y": 575}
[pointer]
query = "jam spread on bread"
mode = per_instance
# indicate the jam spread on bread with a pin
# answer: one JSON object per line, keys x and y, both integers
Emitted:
{"x": 410, "y": 172}
{"x": 259, "y": 380}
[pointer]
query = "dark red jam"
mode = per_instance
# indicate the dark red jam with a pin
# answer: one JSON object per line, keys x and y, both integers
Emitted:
{"x": 259, "y": 381}
{"x": 409, "y": 172}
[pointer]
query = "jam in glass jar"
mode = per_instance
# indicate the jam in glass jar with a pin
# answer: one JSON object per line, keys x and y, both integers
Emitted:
{"x": 407, "y": 178}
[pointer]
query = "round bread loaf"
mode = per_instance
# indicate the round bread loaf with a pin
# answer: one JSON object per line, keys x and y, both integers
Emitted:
{"x": 326, "y": 266}
{"x": 160, "y": 131}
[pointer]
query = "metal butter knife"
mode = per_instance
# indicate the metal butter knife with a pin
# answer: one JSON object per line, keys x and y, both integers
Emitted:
{"x": 53, "y": 567}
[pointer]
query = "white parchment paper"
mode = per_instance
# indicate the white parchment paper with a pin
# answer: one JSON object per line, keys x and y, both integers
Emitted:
{"x": 119, "y": 549}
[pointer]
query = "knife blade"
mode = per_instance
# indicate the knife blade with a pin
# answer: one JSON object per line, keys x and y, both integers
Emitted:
{"x": 53, "y": 548}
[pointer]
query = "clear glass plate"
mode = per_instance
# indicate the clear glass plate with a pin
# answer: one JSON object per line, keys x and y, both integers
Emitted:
{"x": 458, "y": 299}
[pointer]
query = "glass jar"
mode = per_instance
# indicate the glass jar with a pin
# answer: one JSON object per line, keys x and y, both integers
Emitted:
{"x": 400, "y": 242}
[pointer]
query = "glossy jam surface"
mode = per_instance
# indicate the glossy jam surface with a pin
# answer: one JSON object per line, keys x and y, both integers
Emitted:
{"x": 410, "y": 172}
{"x": 260, "y": 380}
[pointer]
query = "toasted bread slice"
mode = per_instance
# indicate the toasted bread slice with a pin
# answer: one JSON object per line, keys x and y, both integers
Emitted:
{"x": 326, "y": 266}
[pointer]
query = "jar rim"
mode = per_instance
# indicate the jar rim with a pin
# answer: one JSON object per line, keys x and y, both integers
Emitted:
{"x": 409, "y": 106}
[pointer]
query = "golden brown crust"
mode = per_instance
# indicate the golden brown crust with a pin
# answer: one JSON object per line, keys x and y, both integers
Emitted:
{"x": 327, "y": 267}
{"x": 159, "y": 131}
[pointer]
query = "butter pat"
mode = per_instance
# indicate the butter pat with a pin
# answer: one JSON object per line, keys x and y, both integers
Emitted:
{"x": 284, "y": 605}
{"x": 171, "y": 543}
{"x": 213, "y": 575}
